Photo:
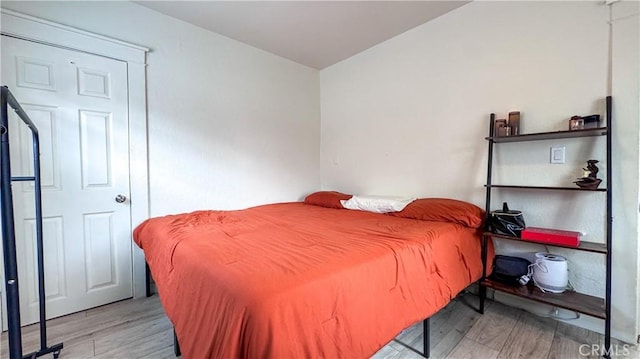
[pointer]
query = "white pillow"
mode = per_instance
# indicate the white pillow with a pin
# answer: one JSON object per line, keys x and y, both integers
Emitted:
{"x": 376, "y": 204}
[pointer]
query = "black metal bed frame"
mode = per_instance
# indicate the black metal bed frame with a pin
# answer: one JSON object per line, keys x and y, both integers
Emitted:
{"x": 8, "y": 233}
{"x": 426, "y": 326}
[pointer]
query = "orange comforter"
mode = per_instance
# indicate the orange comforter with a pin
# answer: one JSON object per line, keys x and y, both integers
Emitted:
{"x": 293, "y": 280}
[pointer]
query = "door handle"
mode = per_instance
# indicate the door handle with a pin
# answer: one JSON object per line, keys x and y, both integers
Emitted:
{"x": 121, "y": 198}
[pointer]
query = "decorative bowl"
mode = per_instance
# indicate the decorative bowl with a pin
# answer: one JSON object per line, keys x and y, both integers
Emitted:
{"x": 588, "y": 182}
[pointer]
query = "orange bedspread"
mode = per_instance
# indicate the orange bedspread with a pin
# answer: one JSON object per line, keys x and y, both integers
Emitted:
{"x": 293, "y": 280}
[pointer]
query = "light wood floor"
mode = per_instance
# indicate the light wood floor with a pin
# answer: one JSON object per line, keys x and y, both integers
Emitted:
{"x": 139, "y": 329}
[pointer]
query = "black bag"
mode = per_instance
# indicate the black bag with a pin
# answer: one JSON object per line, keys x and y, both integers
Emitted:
{"x": 506, "y": 222}
{"x": 508, "y": 270}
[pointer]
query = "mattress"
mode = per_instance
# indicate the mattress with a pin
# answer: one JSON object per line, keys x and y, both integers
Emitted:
{"x": 294, "y": 280}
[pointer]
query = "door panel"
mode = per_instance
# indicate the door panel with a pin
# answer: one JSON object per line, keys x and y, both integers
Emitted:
{"x": 99, "y": 247}
{"x": 78, "y": 102}
{"x": 56, "y": 284}
{"x": 95, "y": 137}
{"x": 33, "y": 73}
{"x": 46, "y": 119}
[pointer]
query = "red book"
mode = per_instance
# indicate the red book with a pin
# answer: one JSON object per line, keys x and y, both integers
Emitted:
{"x": 551, "y": 236}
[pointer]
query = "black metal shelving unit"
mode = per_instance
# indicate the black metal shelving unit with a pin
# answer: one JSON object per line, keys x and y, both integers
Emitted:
{"x": 582, "y": 303}
{"x": 8, "y": 232}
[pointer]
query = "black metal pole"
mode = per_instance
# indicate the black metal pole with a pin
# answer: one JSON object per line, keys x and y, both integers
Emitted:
{"x": 176, "y": 345}
{"x": 426, "y": 338}
{"x": 487, "y": 202}
{"x": 39, "y": 241}
{"x": 482, "y": 290}
{"x": 8, "y": 236}
{"x": 607, "y": 321}
{"x": 147, "y": 279}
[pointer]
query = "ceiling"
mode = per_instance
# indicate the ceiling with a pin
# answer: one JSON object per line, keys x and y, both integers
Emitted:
{"x": 314, "y": 33}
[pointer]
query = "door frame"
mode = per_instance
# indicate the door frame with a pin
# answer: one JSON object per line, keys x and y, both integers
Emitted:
{"x": 49, "y": 33}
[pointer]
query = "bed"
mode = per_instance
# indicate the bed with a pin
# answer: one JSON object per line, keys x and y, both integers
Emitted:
{"x": 308, "y": 279}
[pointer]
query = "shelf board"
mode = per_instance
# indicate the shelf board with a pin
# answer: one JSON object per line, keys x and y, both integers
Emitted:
{"x": 589, "y": 132}
{"x": 547, "y": 188}
{"x": 570, "y": 300}
{"x": 584, "y": 246}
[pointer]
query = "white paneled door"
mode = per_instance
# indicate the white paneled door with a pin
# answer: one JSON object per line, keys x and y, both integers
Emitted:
{"x": 78, "y": 102}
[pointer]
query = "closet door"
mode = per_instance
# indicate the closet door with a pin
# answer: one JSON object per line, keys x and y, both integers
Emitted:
{"x": 78, "y": 102}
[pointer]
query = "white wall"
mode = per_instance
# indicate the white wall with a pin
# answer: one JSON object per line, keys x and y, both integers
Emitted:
{"x": 409, "y": 117}
{"x": 229, "y": 125}
{"x": 626, "y": 91}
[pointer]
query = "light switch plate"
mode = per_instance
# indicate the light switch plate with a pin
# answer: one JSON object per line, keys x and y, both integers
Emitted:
{"x": 557, "y": 154}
